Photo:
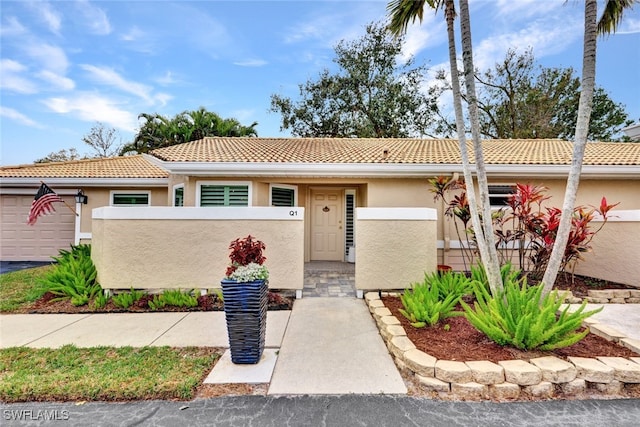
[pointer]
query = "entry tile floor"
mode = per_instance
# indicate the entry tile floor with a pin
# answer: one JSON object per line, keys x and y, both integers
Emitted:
{"x": 329, "y": 279}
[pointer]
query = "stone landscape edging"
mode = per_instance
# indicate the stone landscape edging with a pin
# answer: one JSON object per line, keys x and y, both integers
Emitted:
{"x": 511, "y": 378}
{"x": 610, "y": 296}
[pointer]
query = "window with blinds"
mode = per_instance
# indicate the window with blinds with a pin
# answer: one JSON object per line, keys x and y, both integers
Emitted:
{"x": 283, "y": 196}
{"x": 130, "y": 199}
{"x": 224, "y": 195}
{"x": 499, "y": 195}
{"x": 350, "y": 206}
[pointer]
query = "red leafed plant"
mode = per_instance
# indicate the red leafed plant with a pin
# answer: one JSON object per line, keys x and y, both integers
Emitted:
{"x": 245, "y": 251}
{"x": 525, "y": 227}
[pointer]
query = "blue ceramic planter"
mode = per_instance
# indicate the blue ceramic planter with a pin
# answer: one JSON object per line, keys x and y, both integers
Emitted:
{"x": 245, "y": 308}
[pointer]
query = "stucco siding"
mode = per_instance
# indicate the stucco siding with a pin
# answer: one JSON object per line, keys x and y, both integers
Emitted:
{"x": 399, "y": 193}
{"x": 190, "y": 250}
{"x": 616, "y": 251}
{"x": 394, "y": 249}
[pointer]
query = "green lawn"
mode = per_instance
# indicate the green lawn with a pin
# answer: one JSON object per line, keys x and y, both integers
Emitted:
{"x": 103, "y": 373}
{"x": 20, "y": 288}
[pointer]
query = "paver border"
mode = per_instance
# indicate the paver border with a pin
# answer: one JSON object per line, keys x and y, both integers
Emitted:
{"x": 510, "y": 379}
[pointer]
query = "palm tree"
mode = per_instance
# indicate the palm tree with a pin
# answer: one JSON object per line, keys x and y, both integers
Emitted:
{"x": 608, "y": 23}
{"x": 159, "y": 131}
{"x": 401, "y": 12}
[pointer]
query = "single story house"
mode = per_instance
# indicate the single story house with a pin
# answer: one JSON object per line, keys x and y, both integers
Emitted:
{"x": 165, "y": 219}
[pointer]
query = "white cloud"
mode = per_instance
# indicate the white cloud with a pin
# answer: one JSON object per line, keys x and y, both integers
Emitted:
{"x": 251, "y": 63}
{"x": 59, "y": 82}
{"x": 12, "y": 114}
{"x": 13, "y": 27}
{"x": 629, "y": 26}
{"x": 139, "y": 40}
{"x": 95, "y": 18}
{"x": 163, "y": 98}
{"x": 133, "y": 34}
{"x": 48, "y": 14}
{"x": 109, "y": 77}
{"x": 51, "y": 57}
{"x": 167, "y": 79}
{"x": 431, "y": 32}
{"x": 331, "y": 27}
{"x": 523, "y": 9}
{"x": 544, "y": 37}
{"x": 11, "y": 77}
{"x": 91, "y": 107}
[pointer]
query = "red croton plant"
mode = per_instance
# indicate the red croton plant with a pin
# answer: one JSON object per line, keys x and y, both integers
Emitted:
{"x": 527, "y": 227}
{"x": 245, "y": 251}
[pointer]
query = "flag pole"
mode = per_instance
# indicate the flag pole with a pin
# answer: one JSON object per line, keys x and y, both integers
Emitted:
{"x": 66, "y": 204}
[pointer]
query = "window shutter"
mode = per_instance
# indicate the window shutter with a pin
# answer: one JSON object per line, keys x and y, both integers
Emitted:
{"x": 224, "y": 195}
{"x": 124, "y": 199}
{"x": 350, "y": 200}
{"x": 282, "y": 196}
{"x": 498, "y": 194}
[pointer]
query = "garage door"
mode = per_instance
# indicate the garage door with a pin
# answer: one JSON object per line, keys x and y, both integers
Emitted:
{"x": 22, "y": 242}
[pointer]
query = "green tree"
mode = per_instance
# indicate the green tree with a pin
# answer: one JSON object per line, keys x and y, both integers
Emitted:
{"x": 520, "y": 100}
{"x": 401, "y": 13}
{"x": 159, "y": 131}
{"x": 63, "y": 155}
{"x": 373, "y": 94}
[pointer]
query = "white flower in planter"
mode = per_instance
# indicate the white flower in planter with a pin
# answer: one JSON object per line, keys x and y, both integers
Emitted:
{"x": 250, "y": 273}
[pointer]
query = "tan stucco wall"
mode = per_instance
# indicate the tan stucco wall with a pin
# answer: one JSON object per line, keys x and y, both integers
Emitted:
{"x": 393, "y": 252}
{"x": 616, "y": 253}
{"x": 399, "y": 193}
{"x": 190, "y": 253}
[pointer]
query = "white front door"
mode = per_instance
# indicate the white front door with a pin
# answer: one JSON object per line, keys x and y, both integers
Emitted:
{"x": 327, "y": 233}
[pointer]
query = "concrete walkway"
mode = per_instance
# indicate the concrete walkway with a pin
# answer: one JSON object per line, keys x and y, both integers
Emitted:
{"x": 332, "y": 346}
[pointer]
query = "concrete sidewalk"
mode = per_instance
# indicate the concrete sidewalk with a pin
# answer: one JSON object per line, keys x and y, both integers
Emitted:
{"x": 322, "y": 346}
{"x": 206, "y": 329}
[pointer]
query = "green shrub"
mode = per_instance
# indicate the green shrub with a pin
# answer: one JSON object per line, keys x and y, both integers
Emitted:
{"x": 178, "y": 298}
{"x": 174, "y": 298}
{"x": 449, "y": 283}
{"x": 508, "y": 273}
{"x": 127, "y": 299}
{"x": 100, "y": 301}
{"x": 521, "y": 317}
{"x": 434, "y": 299}
{"x": 74, "y": 276}
{"x": 156, "y": 303}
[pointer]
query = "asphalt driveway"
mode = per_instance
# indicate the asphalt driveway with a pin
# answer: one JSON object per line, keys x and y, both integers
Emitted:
{"x": 9, "y": 266}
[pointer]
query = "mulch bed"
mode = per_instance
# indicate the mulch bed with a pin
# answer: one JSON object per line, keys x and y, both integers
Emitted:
{"x": 580, "y": 285}
{"x": 45, "y": 305}
{"x": 460, "y": 341}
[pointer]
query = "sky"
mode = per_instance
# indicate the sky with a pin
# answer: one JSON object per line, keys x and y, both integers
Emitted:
{"x": 66, "y": 65}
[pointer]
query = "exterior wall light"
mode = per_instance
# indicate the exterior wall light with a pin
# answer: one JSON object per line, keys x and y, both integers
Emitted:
{"x": 81, "y": 197}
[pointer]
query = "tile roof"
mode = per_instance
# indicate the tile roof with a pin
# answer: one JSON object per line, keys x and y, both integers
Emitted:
{"x": 410, "y": 151}
{"x": 114, "y": 167}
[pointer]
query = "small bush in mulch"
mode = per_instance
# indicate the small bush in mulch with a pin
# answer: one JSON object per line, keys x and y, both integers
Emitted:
{"x": 45, "y": 305}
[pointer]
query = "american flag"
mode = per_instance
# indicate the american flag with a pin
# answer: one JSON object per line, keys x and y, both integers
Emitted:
{"x": 43, "y": 203}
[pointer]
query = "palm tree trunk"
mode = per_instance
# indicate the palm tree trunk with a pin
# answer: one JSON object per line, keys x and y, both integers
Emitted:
{"x": 582, "y": 129}
{"x": 484, "y": 234}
